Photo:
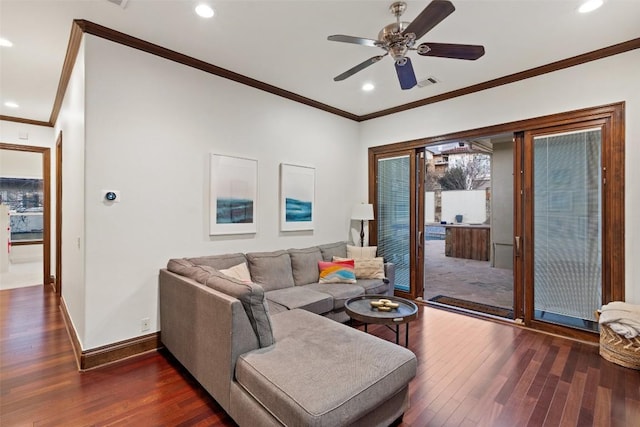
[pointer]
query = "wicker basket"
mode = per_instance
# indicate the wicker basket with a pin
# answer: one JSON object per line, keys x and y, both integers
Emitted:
{"x": 618, "y": 349}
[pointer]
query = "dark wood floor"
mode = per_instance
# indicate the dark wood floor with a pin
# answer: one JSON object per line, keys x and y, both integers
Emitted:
{"x": 471, "y": 372}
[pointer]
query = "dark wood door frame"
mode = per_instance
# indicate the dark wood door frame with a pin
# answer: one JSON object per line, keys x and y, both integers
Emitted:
{"x": 58, "y": 280}
{"x": 613, "y": 202}
{"x": 46, "y": 215}
{"x": 415, "y": 249}
{"x": 612, "y": 193}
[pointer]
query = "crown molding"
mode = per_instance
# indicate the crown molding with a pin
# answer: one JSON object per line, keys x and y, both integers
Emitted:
{"x": 81, "y": 26}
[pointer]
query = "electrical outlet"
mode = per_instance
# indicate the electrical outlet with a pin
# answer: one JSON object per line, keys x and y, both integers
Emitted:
{"x": 145, "y": 324}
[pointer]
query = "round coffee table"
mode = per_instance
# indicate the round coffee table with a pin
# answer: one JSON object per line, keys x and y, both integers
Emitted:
{"x": 359, "y": 308}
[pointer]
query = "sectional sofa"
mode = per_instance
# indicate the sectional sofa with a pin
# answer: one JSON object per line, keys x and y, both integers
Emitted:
{"x": 269, "y": 350}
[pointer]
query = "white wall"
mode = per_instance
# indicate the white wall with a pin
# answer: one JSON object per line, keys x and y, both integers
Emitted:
{"x": 20, "y": 164}
{"x": 596, "y": 83}
{"x": 150, "y": 127}
{"x": 429, "y": 207}
{"x": 38, "y": 136}
{"x": 471, "y": 204}
{"x": 71, "y": 123}
{"x": 502, "y": 205}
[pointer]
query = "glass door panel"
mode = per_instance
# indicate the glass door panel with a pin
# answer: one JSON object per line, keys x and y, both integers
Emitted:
{"x": 393, "y": 216}
{"x": 567, "y": 228}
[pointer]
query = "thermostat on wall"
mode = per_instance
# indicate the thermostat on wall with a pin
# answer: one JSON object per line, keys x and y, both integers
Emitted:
{"x": 110, "y": 196}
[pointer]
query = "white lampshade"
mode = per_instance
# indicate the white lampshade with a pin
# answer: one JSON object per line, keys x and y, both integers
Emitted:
{"x": 362, "y": 212}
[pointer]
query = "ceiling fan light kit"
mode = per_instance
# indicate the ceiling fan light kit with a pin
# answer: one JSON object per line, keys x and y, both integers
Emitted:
{"x": 398, "y": 39}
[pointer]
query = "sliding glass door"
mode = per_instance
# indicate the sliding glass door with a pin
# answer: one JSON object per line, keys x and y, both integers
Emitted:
{"x": 393, "y": 217}
{"x": 398, "y": 208}
{"x": 567, "y": 228}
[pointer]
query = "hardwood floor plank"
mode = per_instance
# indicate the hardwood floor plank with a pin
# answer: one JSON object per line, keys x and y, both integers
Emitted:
{"x": 557, "y": 405}
{"x": 471, "y": 372}
{"x": 543, "y": 402}
{"x": 602, "y": 409}
{"x": 572, "y": 407}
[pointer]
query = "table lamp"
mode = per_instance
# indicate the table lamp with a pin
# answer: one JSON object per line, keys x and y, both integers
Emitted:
{"x": 362, "y": 212}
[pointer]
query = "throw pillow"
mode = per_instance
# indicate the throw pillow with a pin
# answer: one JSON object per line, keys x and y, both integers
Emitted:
{"x": 240, "y": 272}
{"x": 357, "y": 252}
{"x": 367, "y": 268}
{"x": 337, "y": 272}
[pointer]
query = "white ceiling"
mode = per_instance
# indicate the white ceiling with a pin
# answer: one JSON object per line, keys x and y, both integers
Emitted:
{"x": 284, "y": 43}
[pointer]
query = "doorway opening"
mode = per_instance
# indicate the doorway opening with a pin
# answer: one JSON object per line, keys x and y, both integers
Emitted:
{"x": 468, "y": 236}
{"x": 24, "y": 222}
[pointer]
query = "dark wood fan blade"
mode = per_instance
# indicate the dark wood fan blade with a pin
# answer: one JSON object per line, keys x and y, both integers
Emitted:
{"x": 431, "y": 16}
{"x": 451, "y": 50}
{"x": 361, "y": 66}
{"x": 352, "y": 39}
{"x": 406, "y": 76}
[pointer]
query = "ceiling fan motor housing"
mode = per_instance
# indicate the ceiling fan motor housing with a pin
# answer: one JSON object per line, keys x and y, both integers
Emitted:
{"x": 398, "y": 38}
{"x": 397, "y": 44}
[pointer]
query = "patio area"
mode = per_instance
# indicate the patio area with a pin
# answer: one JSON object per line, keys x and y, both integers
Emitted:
{"x": 465, "y": 279}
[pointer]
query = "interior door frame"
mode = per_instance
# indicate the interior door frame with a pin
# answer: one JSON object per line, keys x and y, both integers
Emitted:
{"x": 58, "y": 252}
{"x": 614, "y": 286}
{"x": 46, "y": 215}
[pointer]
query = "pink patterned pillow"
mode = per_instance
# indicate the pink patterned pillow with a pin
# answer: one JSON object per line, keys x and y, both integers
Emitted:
{"x": 337, "y": 272}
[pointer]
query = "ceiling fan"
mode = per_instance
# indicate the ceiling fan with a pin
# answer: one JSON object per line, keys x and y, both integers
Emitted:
{"x": 398, "y": 38}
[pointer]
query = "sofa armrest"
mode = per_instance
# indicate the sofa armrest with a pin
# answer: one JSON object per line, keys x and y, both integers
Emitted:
{"x": 390, "y": 276}
{"x": 205, "y": 330}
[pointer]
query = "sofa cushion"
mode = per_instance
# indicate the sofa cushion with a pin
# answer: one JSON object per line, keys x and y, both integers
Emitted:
{"x": 186, "y": 268}
{"x": 373, "y": 286}
{"x": 333, "y": 249}
{"x": 361, "y": 252}
{"x": 339, "y": 291}
{"x": 271, "y": 269}
{"x": 304, "y": 264}
{"x": 274, "y": 307}
{"x": 323, "y": 373}
{"x": 301, "y": 297}
{"x": 252, "y": 298}
{"x": 220, "y": 262}
{"x": 337, "y": 272}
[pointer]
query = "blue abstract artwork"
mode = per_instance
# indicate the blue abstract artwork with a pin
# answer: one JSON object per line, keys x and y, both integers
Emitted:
{"x": 297, "y": 192}
{"x": 298, "y": 210}
{"x": 233, "y": 195}
{"x": 234, "y": 211}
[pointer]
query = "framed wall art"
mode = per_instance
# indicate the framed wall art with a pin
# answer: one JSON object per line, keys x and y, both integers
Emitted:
{"x": 233, "y": 195}
{"x": 297, "y": 194}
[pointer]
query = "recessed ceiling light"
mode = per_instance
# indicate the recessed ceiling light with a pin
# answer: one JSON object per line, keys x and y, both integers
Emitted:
{"x": 590, "y": 6}
{"x": 11, "y": 104}
{"x": 204, "y": 10}
{"x": 368, "y": 87}
{"x": 5, "y": 43}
